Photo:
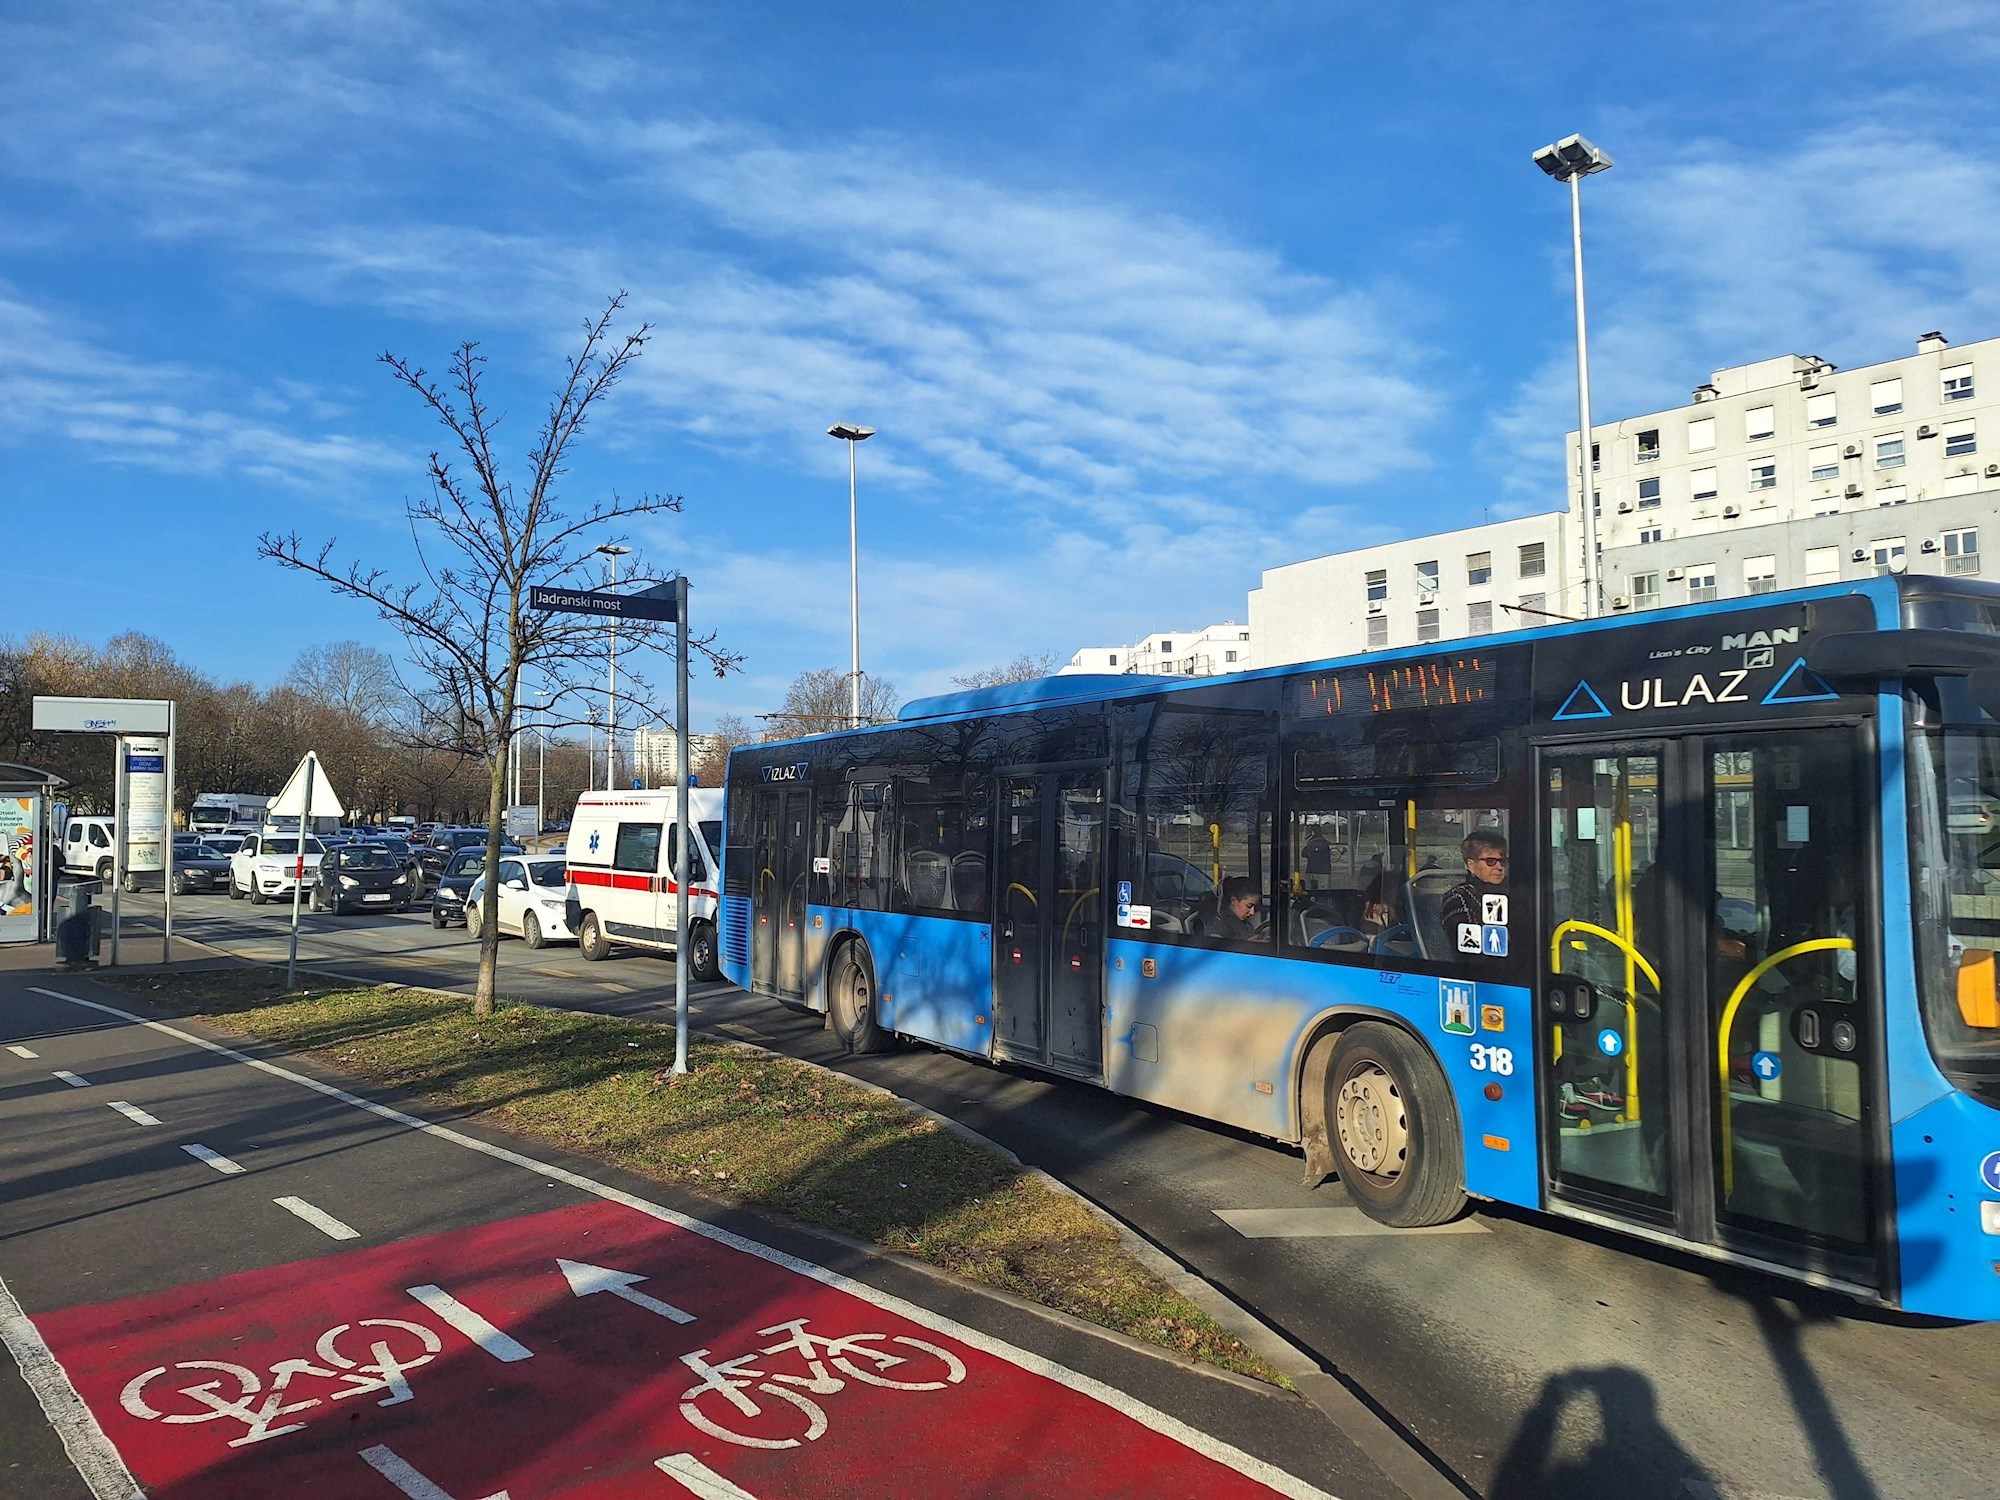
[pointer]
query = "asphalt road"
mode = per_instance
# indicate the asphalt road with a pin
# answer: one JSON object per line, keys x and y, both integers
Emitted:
{"x": 1524, "y": 1358}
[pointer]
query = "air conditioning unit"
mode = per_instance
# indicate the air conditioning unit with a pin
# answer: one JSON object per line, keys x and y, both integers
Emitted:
{"x": 1861, "y": 554}
{"x": 1731, "y": 512}
{"x": 1621, "y": 602}
{"x": 1375, "y": 608}
{"x": 1926, "y": 431}
{"x": 1853, "y": 491}
{"x": 1993, "y": 471}
{"x": 1930, "y": 544}
{"x": 1852, "y": 450}
{"x": 1624, "y": 507}
{"x": 1673, "y": 575}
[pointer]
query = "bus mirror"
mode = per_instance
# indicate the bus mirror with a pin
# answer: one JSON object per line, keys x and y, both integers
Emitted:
{"x": 1571, "y": 999}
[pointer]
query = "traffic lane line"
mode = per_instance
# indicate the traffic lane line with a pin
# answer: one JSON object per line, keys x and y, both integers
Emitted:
{"x": 74, "y": 1080}
{"x": 1197, "y": 1393}
{"x": 321, "y": 1220}
{"x": 780, "y": 1383}
{"x": 213, "y": 1159}
{"x": 132, "y": 1112}
{"x": 23, "y": 1052}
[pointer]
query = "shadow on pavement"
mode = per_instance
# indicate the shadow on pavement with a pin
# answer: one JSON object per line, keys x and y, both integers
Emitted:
{"x": 1595, "y": 1433}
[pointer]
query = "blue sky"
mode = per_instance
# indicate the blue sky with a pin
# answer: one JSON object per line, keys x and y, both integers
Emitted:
{"x": 1142, "y": 297}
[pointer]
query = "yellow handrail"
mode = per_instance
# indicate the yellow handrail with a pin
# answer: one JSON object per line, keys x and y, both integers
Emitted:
{"x": 1017, "y": 886}
{"x": 1632, "y": 957}
{"x": 1736, "y": 997}
{"x": 1074, "y": 909}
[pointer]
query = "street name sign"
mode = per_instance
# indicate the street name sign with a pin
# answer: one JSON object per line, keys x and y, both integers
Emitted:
{"x": 656, "y": 603}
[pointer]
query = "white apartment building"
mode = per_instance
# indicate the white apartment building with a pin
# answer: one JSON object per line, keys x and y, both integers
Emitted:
{"x": 1172, "y": 653}
{"x": 1505, "y": 575}
{"x": 654, "y": 761}
{"x": 1790, "y": 471}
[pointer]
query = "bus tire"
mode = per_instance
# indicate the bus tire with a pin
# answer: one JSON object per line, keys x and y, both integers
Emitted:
{"x": 1393, "y": 1128}
{"x": 850, "y": 999}
{"x": 702, "y": 961}
{"x": 590, "y": 939}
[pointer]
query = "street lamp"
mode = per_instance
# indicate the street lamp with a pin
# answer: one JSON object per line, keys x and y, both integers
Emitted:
{"x": 853, "y": 436}
{"x": 1571, "y": 160}
{"x": 613, "y": 551}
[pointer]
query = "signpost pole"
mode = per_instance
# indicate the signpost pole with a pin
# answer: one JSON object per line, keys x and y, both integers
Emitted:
{"x": 167, "y": 850}
{"x": 299, "y": 873}
{"x": 682, "y": 859}
{"x": 121, "y": 815}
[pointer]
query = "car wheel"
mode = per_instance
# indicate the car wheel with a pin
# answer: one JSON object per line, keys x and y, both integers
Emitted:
{"x": 104, "y": 870}
{"x": 590, "y": 938}
{"x": 702, "y": 963}
{"x": 850, "y": 1006}
{"x": 437, "y": 921}
{"x": 180, "y": 885}
{"x": 1393, "y": 1129}
{"x": 257, "y": 896}
{"x": 472, "y": 916}
{"x": 235, "y": 890}
{"x": 531, "y": 931}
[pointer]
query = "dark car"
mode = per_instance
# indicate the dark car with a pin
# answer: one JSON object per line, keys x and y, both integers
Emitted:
{"x": 199, "y": 867}
{"x": 460, "y": 870}
{"x": 424, "y": 864}
{"x": 363, "y": 875}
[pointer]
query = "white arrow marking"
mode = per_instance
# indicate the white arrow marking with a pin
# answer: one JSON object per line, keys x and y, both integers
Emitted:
{"x": 586, "y": 1280}
{"x": 697, "y": 1478}
{"x": 385, "y": 1461}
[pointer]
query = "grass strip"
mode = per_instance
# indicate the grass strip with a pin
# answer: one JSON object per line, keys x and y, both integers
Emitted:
{"x": 742, "y": 1126}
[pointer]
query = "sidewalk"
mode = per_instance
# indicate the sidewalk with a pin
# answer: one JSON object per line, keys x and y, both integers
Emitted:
{"x": 684, "y": 1339}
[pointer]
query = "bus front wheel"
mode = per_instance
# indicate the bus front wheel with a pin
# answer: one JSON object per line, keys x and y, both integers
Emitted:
{"x": 850, "y": 1000}
{"x": 1393, "y": 1129}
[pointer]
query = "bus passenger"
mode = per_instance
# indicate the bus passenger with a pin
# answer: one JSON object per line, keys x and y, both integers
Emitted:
{"x": 1485, "y": 854}
{"x": 1236, "y": 919}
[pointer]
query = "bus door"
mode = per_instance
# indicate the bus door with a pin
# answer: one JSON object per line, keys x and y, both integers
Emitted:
{"x": 1048, "y": 929}
{"x": 1707, "y": 1029}
{"x": 778, "y": 824}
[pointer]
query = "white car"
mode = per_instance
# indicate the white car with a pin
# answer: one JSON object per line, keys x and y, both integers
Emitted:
{"x": 534, "y": 901}
{"x": 265, "y": 866}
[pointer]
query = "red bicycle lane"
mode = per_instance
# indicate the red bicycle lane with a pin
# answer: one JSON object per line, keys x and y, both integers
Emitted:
{"x": 596, "y": 1351}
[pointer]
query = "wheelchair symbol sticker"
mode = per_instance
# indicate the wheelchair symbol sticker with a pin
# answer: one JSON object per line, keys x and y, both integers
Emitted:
{"x": 1610, "y": 1042}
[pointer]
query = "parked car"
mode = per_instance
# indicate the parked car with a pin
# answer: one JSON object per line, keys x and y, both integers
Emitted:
{"x": 403, "y": 850}
{"x": 460, "y": 870}
{"x": 265, "y": 865}
{"x": 363, "y": 874}
{"x": 533, "y": 902}
{"x": 199, "y": 868}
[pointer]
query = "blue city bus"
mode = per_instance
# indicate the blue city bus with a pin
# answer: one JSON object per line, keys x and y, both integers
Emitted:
{"x": 1682, "y": 925}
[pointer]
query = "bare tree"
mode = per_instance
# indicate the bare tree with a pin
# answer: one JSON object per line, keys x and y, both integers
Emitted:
{"x": 1023, "y": 668}
{"x": 482, "y": 543}
{"x": 356, "y": 680}
{"x": 730, "y": 732}
{"x": 817, "y": 701}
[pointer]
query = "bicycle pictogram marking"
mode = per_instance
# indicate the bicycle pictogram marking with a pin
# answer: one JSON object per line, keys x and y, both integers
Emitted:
{"x": 857, "y": 1357}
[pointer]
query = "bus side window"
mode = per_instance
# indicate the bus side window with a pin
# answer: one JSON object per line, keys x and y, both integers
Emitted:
{"x": 1203, "y": 824}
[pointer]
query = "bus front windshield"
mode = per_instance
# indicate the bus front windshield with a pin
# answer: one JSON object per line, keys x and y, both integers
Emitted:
{"x": 1955, "y": 828}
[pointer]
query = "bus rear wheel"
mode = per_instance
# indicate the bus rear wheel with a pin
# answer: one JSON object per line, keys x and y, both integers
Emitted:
{"x": 1393, "y": 1129}
{"x": 850, "y": 999}
{"x": 590, "y": 938}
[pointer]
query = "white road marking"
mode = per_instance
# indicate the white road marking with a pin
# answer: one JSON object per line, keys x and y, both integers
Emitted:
{"x": 585, "y": 1280}
{"x": 23, "y": 1052}
{"x": 82, "y": 1439}
{"x": 133, "y": 1113}
{"x": 1167, "y": 1426}
{"x": 72, "y": 1079}
{"x": 697, "y": 1478}
{"x": 214, "y": 1159}
{"x": 1325, "y": 1223}
{"x": 321, "y": 1220}
{"x": 384, "y": 1461}
{"x": 469, "y": 1323}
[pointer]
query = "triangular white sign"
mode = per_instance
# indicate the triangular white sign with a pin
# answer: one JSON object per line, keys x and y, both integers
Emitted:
{"x": 290, "y": 802}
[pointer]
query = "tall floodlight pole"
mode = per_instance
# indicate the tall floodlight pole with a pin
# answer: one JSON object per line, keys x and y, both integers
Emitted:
{"x": 613, "y": 551}
{"x": 541, "y": 762}
{"x": 684, "y": 844}
{"x": 853, "y": 435}
{"x": 1571, "y": 160}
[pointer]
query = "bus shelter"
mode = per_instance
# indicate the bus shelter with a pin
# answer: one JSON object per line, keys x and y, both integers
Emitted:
{"x": 29, "y": 863}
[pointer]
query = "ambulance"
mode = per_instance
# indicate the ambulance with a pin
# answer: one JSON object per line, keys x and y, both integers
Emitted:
{"x": 621, "y": 850}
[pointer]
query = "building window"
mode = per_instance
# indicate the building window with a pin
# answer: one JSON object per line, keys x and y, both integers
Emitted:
{"x": 1820, "y": 410}
{"x": 1378, "y": 632}
{"x": 1892, "y": 494}
{"x": 1701, "y": 583}
{"x": 1701, "y": 434}
{"x": 1166, "y": 646}
{"x": 1533, "y": 607}
{"x": 1763, "y": 473}
{"x": 1702, "y": 484}
{"x": 1760, "y": 423}
{"x": 1427, "y": 624}
{"x": 1649, "y": 494}
{"x": 1960, "y": 439}
{"x": 1958, "y": 383}
{"x": 1822, "y": 563}
{"x": 1479, "y": 567}
{"x": 1229, "y": 656}
{"x": 1645, "y": 590}
{"x": 1647, "y": 447}
{"x": 1885, "y": 397}
{"x": 1479, "y": 618}
{"x": 1377, "y": 580}
{"x": 1887, "y": 553}
{"x": 1760, "y": 574}
{"x": 1825, "y": 461}
{"x": 1534, "y": 559}
{"x": 1827, "y": 507}
{"x": 1961, "y": 550}
{"x": 1111, "y": 660}
{"x": 1889, "y": 452}
{"x": 1427, "y": 580}
{"x": 1595, "y": 459}
{"x": 1596, "y": 503}
{"x": 1650, "y": 534}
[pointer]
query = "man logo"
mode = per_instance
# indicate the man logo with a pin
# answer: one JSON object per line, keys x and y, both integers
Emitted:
{"x": 1788, "y": 636}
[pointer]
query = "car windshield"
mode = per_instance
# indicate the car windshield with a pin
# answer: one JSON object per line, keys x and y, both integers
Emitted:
{"x": 711, "y": 834}
{"x": 291, "y": 846}
{"x": 469, "y": 863}
{"x": 369, "y": 857}
{"x": 203, "y": 851}
{"x": 549, "y": 872}
{"x": 397, "y": 846}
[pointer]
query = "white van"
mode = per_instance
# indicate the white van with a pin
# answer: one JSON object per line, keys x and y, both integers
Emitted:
{"x": 88, "y": 846}
{"x": 621, "y": 867}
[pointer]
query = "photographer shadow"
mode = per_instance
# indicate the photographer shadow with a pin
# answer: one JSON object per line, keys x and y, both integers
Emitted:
{"x": 1562, "y": 1449}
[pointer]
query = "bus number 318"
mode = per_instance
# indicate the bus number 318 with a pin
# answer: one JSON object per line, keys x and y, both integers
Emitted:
{"x": 1493, "y": 1060}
